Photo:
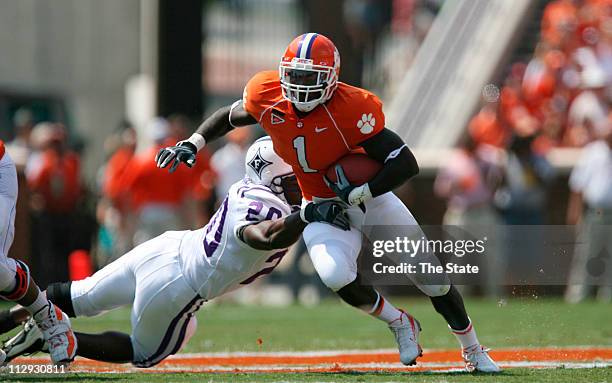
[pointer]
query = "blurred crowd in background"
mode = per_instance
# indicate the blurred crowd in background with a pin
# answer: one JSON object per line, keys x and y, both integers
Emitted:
{"x": 561, "y": 97}
{"x": 54, "y": 191}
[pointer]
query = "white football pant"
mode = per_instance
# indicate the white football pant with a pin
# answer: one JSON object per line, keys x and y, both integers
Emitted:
{"x": 8, "y": 204}
{"x": 149, "y": 278}
{"x": 334, "y": 252}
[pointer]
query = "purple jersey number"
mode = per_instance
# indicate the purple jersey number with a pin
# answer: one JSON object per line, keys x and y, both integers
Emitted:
{"x": 274, "y": 259}
{"x": 215, "y": 226}
{"x": 273, "y": 213}
{"x": 214, "y": 230}
{"x": 255, "y": 209}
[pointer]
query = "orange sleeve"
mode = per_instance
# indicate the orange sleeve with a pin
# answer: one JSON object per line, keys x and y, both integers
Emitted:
{"x": 38, "y": 177}
{"x": 127, "y": 184}
{"x": 115, "y": 167}
{"x": 72, "y": 171}
{"x": 364, "y": 119}
{"x": 257, "y": 93}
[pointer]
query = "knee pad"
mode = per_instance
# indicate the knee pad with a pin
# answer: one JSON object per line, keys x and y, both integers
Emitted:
{"x": 333, "y": 266}
{"x": 22, "y": 282}
{"x": 435, "y": 290}
{"x": 59, "y": 294}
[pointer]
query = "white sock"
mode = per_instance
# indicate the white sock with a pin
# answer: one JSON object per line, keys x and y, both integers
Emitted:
{"x": 39, "y": 303}
{"x": 466, "y": 337}
{"x": 385, "y": 311}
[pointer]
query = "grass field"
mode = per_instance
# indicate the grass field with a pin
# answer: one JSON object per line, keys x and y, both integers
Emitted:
{"x": 227, "y": 328}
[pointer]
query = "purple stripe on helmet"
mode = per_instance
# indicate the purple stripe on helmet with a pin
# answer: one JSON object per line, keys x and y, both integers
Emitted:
{"x": 309, "y": 48}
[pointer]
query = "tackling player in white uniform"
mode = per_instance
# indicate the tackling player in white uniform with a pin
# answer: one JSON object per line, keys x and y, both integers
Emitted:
{"x": 168, "y": 278}
{"x": 17, "y": 285}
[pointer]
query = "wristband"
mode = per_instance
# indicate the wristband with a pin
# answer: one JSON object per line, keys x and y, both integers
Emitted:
{"x": 303, "y": 213}
{"x": 359, "y": 195}
{"x": 197, "y": 140}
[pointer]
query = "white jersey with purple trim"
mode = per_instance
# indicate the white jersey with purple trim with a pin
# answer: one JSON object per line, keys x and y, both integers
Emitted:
{"x": 214, "y": 259}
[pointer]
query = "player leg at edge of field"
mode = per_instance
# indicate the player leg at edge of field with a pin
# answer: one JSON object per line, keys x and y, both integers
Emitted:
{"x": 390, "y": 211}
{"x": 16, "y": 284}
{"x": 334, "y": 255}
{"x": 150, "y": 279}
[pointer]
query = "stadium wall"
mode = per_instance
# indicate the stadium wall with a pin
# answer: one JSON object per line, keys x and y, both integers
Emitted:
{"x": 82, "y": 50}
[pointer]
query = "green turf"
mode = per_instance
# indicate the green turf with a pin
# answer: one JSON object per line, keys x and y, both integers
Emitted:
{"x": 332, "y": 325}
{"x": 513, "y": 376}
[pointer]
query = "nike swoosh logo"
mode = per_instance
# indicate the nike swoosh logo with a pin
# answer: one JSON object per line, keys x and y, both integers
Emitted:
{"x": 319, "y": 130}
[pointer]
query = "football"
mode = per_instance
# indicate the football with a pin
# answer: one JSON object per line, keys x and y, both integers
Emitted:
{"x": 358, "y": 168}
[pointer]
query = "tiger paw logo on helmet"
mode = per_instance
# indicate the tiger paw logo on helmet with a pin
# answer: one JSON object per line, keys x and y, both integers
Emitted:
{"x": 366, "y": 124}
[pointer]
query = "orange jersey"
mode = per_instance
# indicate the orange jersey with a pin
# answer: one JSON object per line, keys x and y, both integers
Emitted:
{"x": 116, "y": 166}
{"x": 145, "y": 184}
{"x": 57, "y": 179}
{"x": 313, "y": 143}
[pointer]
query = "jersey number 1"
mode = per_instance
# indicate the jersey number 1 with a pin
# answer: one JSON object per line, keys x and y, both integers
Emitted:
{"x": 299, "y": 143}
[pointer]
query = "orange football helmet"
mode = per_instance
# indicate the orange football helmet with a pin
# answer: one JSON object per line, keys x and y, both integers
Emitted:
{"x": 309, "y": 71}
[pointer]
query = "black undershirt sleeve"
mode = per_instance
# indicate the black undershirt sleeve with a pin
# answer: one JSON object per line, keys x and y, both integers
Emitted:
{"x": 399, "y": 164}
{"x": 224, "y": 120}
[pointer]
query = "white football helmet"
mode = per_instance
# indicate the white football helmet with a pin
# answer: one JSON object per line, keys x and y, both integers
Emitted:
{"x": 264, "y": 167}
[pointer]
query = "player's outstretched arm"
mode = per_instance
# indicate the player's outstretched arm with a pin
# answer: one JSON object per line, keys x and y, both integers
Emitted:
{"x": 399, "y": 166}
{"x": 284, "y": 232}
{"x": 273, "y": 234}
{"x": 224, "y": 120}
{"x": 215, "y": 126}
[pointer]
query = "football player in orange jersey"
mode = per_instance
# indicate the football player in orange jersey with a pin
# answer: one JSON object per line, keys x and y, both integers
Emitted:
{"x": 314, "y": 120}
